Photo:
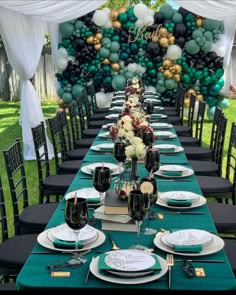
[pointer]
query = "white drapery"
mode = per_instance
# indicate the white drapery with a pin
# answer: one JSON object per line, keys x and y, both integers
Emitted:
{"x": 23, "y": 25}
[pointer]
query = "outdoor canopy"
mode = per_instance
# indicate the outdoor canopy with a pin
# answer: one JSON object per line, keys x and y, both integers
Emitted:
{"x": 23, "y": 25}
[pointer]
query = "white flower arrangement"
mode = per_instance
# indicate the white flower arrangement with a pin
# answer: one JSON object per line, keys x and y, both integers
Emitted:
{"x": 136, "y": 149}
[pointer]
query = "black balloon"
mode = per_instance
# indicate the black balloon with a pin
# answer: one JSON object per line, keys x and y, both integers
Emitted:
{"x": 180, "y": 42}
{"x": 184, "y": 11}
{"x": 180, "y": 30}
{"x": 158, "y": 18}
{"x": 153, "y": 49}
{"x": 78, "y": 43}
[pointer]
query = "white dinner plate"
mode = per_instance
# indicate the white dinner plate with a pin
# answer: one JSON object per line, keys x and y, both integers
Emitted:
{"x": 157, "y": 125}
{"x": 118, "y": 101}
{"x": 185, "y": 171}
{"x": 164, "y": 134}
{"x": 44, "y": 241}
{"x": 152, "y": 100}
{"x": 112, "y": 116}
{"x": 179, "y": 196}
{"x": 99, "y": 148}
{"x": 188, "y": 237}
{"x": 86, "y": 193}
{"x": 158, "y": 116}
{"x": 199, "y": 203}
{"x": 63, "y": 232}
{"x": 157, "y": 108}
{"x": 176, "y": 148}
{"x": 87, "y": 169}
{"x": 128, "y": 280}
{"x": 116, "y": 109}
{"x": 104, "y": 135}
{"x": 216, "y": 245}
{"x": 107, "y": 126}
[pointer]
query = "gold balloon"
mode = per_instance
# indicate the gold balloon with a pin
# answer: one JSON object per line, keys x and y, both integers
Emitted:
{"x": 116, "y": 24}
{"x": 199, "y": 97}
{"x": 167, "y": 74}
{"x": 115, "y": 67}
{"x": 106, "y": 61}
{"x": 59, "y": 110}
{"x": 164, "y": 42}
{"x": 191, "y": 91}
{"x": 178, "y": 68}
{"x": 199, "y": 22}
{"x": 163, "y": 32}
{"x": 122, "y": 10}
{"x": 99, "y": 36}
{"x": 98, "y": 46}
{"x": 176, "y": 77}
{"x": 186, "y": 103}
{"x": 60, "y": 102}
{"x": 114, "y": 14}
{"x": 171, "y": 40}
{"x": 167, "y": 63}
{"x": 90, "y": 40}
{"x": 155, "y": 39}
{"x": 172, "y": 69}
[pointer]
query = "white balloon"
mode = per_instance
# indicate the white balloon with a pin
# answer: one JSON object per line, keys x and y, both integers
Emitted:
{"x": 174, "y": 52}
{"x": 141, "y": 69}
{"x": 100, "y": 18}
{"x": 150, "y": 12}
{"x": 132, "y": 67}
{"x": 62, "y": 52}
{"x": 108, "y": 24}
{"x": 107, "y": 10}
{"x": 103, "y": 100}
{"x": 61, "y": 63}
{"x": 148, "y": 20}
{"x": 71, "y": 58}
{"x": 139, "y": 23}
{"x": 140, "y": 10}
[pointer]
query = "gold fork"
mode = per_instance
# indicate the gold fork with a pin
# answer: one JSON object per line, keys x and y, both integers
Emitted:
{"x": 114, "y": 246}
{"x": 170, "y": 262}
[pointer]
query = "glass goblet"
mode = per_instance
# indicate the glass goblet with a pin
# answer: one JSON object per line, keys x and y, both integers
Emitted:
{"x": 147, "y": 138}
{"x": 76, "y": 217}
{"x": 102, "y": 181}
{"x": 138, "y": 206}
{"x": 119, "y": 153}
{"x": 152, "y": 160}
{"x": 149, "y": 186}
{"x": 149, "y": 108}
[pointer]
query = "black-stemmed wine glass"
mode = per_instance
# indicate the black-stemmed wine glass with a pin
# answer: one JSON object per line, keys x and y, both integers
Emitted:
{"x": 149, "y": 108}
{"x": 138, "y": 206}
{"x": 102, "y": 181}
{"x": 152, "y": 160}
{"x": 119, "y": 153}
{"x": 147, "y": 138}
{"x": 76, "y": 217}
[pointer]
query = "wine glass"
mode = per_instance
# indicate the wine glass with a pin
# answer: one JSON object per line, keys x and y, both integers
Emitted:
{"x": 76, "y": 217}
{"x": 149, "y": 186}
{"x": 138, "y": 205}
{"x": 147, "y": 138}
{"x": 102, "y": 181}
{"x": 119, "y": 153}
{"x": 152, "y": 160}
{"x": 149, "y": 108}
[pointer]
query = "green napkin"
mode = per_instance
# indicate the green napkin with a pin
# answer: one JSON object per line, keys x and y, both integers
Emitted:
{"x": 165, "y": 150}
{"x": 186, "y": 249}
{"x": 93, "y": 200}
{"x": 172, "y": 173}
{"x": 103, "y": 266}
{"x": 106, "y": 148}
{"x": 66, "y": 245}
{"x": 181, "y": 203}
{"x": 93, "y": 169}
{"x": 156, "y": 115}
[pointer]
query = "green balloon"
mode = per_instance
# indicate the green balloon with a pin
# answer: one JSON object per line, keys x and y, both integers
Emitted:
{"x": 197, "y": 34}
{"x": 211, "y": 24}
{"x": 221, "y": 82}
{"x": 211, "y": 113}
{"x": 177, "y": 18}
{"x": 118, "y": 82}
{"x": 67, "y": 97}
{"x": 79, "y": 24}
{"x": 223, "y": 103}
{"x": 66, "y": 30}
{"x": 77, "y": 90}
{"x": 106, "y": 42}
{"x": 114, "y": 57}
{"x": 115, "y": 46}
{"x": 107, "y": 81}
{"x": 124, "y": 56}
{"x": 208, "y": 36}
{"x": 170, "y": 84}
{"x": 192, "y": 47}
{"x": 206, "y": 47}
{"x": 123, "y": 17}
{"x": 104, "y": 52}
{"x": 166, "y": 10}
{"x": 60, "y": 92}
{"x": 129, "y": 75}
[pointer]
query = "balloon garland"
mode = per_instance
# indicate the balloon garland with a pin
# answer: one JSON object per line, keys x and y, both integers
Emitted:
{"x": 165, "y": 47}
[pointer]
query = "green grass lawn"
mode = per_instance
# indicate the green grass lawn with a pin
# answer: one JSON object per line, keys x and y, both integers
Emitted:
{"x": 10, "y": 130}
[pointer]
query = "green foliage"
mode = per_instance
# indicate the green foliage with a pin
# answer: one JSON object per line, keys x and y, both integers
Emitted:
{"x": 117, "y": 4}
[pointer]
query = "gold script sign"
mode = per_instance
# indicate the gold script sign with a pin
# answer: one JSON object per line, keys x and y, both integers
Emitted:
{"x": 143, "y": 34}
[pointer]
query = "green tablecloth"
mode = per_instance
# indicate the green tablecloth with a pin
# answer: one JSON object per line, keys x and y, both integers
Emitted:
{"x": 219, "y": 276}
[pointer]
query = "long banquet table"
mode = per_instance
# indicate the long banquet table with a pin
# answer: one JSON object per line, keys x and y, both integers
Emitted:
{"x": 218, "y": 276}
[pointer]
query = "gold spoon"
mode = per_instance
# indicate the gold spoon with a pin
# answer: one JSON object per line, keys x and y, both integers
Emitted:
{"x": 114, "y": 246}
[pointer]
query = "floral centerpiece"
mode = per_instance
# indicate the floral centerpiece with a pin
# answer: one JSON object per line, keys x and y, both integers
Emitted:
{"x": 134, "y": 86}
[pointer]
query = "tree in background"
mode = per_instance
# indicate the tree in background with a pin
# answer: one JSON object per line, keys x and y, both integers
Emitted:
{"x": 116, "y": 4}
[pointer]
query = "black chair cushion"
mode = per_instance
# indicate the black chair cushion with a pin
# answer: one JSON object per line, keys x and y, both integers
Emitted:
{"x": 101, "y": 111}
{"x": 182, "y": 130}
{"x": 58, "y": 183}
{"x": 15, "y": 251}
{"x": 224, "y": 216}
{"x": 188, "y": 141}
{"x": 36, "y": 217}
{"x": 171, "y": 113}
{"x": 198, "y": 153}
{"x": 174, "y": 120}
{"x": 84, "y": 142}
{"x": 204, "y": 167}
{"x": 170, "y": 109}
{"x": 97, "y": 117}
{"x": 70, "y": 166}
{"x": 95, "y": 124}
{"x": 88, "y": 133}
{"x": 213, "y": 185}
{"x": 8, "y": 287}
{"x": 230, "y": 249}
{"x": 77, "y": 154}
